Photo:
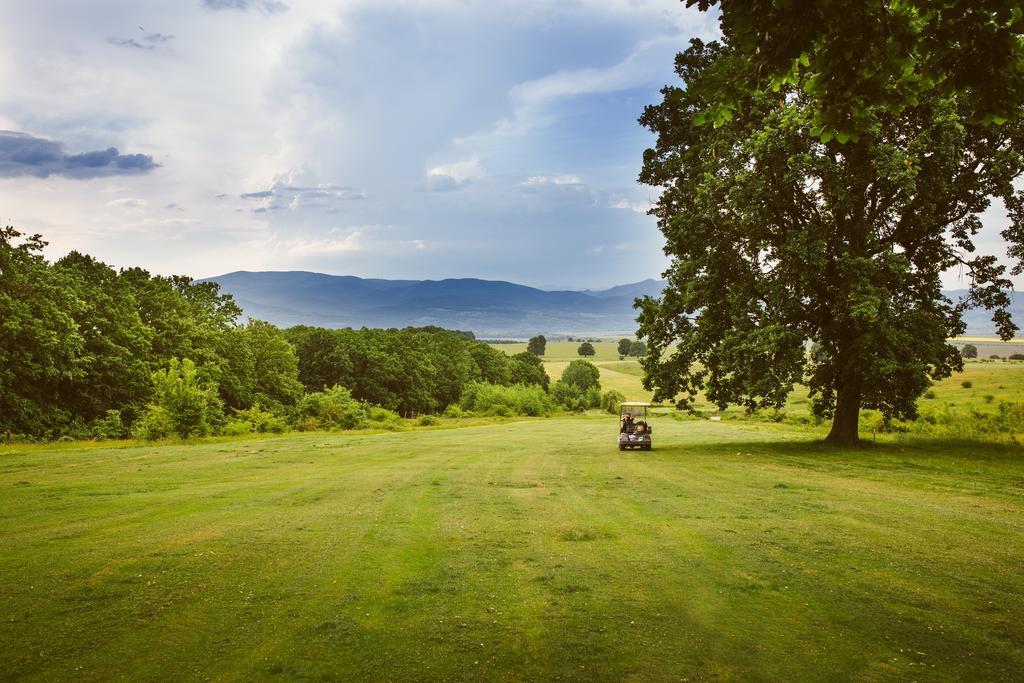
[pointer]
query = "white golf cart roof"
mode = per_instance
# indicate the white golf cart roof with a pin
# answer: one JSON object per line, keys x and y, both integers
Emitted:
{"x": 635, "y": 403}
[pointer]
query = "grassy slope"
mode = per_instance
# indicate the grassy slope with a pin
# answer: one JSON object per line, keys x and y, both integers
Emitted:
{"x": 524, "y": 550}
{"x": 1004, "y": 381}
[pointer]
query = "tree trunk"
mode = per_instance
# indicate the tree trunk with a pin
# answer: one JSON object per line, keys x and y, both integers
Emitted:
{"x": 844, "y": 423}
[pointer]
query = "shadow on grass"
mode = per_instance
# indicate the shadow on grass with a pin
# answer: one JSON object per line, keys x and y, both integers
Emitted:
{"x": 903, "y": 447}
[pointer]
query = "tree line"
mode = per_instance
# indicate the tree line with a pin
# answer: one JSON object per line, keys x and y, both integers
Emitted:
{"x": 87, "y": 350}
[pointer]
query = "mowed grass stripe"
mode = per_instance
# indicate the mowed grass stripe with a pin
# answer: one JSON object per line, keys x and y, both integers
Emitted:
{"x": 521, "y": 551}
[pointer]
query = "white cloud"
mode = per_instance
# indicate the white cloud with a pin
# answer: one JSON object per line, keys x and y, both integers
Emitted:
{"x": 128, "y": 203}
{"x": 635, "y": 207}
{"x": 557, "y": 180}
{"x": 459, "y": 171}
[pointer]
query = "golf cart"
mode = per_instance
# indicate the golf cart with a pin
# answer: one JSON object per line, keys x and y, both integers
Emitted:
{"x": 634, "y": 432}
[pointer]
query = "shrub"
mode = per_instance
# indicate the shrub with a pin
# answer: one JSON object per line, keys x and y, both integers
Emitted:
{"x": 583, "y": 375}
{"x": 1016, "y": 356}
{"x": 967, "y": 384}
{"x": 586, "y": 349}
{"x": 988, "y": 398}
{"x": 190, "y": 407}
{"x": 154, "y": 424}
{"x": 381, "y": 418}
{"x": 995, "y": 356}
{"x": 333, "y": 408}
{"x": 454, "y": 411}
{"x": 110, "y": 426}
{"x": 610, "y": 401}
{"x": 572, "y": 397}
{"x": 238, "y": 427}
{"x": 929, "y": 394}
{"x": 261, "y": 420}
{"x": 428, "y": 420}
{"x": 493, "y": 399}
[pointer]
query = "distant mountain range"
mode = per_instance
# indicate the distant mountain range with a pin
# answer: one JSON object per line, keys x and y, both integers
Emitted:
{"x": 490, "y": 308}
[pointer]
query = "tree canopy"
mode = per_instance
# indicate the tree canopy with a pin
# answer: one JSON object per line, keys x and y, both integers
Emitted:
{"x": 537, "y": 345}
{"x": 854, "y": 60}
{"x": 780, "y": 236}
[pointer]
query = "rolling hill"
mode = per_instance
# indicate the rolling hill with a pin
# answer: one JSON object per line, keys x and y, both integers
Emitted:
{"x": 490, "y": 308}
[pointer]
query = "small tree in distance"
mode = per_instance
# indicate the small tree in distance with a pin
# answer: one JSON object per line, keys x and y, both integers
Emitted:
{"x": 537, "y": 345}
{"x": 969, "y": 351}
{"x": 624, "y": 346}
{"x": 638, "y": 349}
{"x": 586, "y": 349}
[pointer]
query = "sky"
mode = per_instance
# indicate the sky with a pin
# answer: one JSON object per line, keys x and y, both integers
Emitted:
{"x": 378, "y": 138}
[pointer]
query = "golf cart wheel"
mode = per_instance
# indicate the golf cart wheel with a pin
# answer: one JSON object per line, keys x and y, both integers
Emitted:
{"x": 622, "y": 447}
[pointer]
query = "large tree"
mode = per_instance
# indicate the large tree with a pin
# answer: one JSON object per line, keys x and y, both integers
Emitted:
{"x": 780, "y": 236}
{"x": 855, "y": 58}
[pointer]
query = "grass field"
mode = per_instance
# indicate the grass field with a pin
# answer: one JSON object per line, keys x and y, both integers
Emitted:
{"x": 518, "y": 550}
{"x": 1003, "y": 381}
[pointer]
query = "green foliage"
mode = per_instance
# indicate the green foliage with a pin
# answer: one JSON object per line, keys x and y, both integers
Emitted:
{"x": 586, "y": 349}
{"x": 154, "y": 424}
{"x": 428, "y": 420}
{"x": 1016, "y": 356}
{"x": 967, "y": 384}
{"x": 492, "y": 399}
{"x": 969, "y": 351}
{"x": 110, "y": 426}
{"x": 261, "y": 421}
{"x": 624, "y": 346}
{"x": 454, "y": 411}
{"x": 538, "y": 344}
{"x": 574, "y": 397}
{"x": 583, "y": 375}
{"x": 880, "y": 60}
{"x": 638, "y": 349}
{"x": 191, "y": 405}
{"x": 413, "y": 370}
{"x": 611, "y": 401}
{"x": 778, "y": 238}
{"x": 333, "y": 408}
{"x": 526, "y": 368}
{"x": 40, "y": 343}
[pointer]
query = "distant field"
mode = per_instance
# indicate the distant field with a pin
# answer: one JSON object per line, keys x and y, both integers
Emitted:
{"x": 521, "y": 550}
{"x": 1002, "y": 380}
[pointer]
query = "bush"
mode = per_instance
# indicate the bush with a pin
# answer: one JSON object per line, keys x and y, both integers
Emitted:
{"x": 988, "y": 398}
{"x": 995, "y": 356}
{"x": 572, "y": 397}
{"x": 154, "y": 424}
{"x": 110, "y": 426}
{"x": 454, "y": 411}
{"x": 582, "y": 375}
{"x": 238, "y": 427}
{"x": 967, "y": 384}
{"x": 261, "y": 421}
{"x": 428, "y": 420}
{"x": 586, "y": 349}
{"x": 611, "y": 400}
{"x": 929, "y": 394}
{"x": 381, "y": 418}
{"x": 332, "y": 408}
{"x": 183, "y": 406}
{"x": 493, "y": 399}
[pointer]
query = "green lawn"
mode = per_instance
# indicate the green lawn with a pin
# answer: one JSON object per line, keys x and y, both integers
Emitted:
{"x": 519, "y": 550}
{"x": 1003, "y": 381}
